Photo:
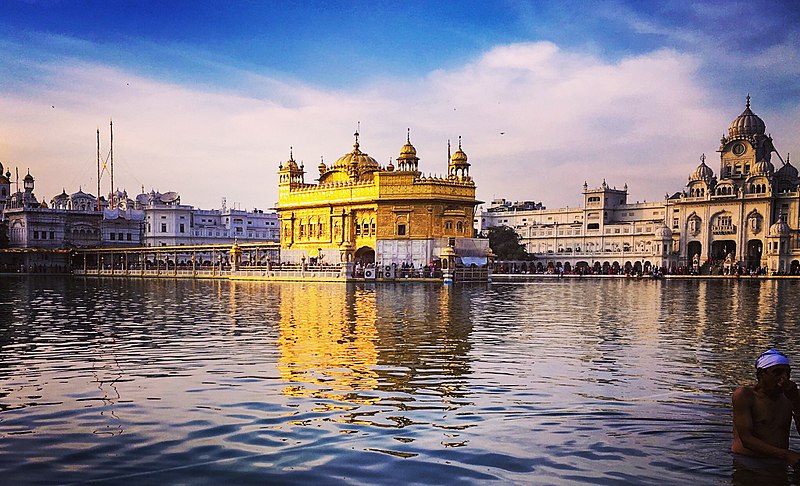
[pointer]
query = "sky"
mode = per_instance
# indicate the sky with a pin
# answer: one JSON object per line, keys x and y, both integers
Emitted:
{"x": 208, "y": 98}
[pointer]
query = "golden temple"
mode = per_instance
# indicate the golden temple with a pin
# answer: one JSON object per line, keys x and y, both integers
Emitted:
{"x": 367, "y": 214}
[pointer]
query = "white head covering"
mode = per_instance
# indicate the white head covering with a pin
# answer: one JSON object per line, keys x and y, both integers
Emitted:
{"x": 770, "y": 358}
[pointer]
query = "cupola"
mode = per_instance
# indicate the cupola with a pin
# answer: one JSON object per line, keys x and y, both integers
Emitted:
{"x": 747, "y": 124}
{"x": 702, "y": 172}
{"x": 408, "y": 160}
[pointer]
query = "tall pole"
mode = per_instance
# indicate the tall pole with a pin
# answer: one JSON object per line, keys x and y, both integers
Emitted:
{"x": 98, "y": 169}
{"x": 113, "y": 189}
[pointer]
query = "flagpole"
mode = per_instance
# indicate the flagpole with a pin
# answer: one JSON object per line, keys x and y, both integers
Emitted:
{"x": 98, "y": 169}
{"x": 113, "y": 194}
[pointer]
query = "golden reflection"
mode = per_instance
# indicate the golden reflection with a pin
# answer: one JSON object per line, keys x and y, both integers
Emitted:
{"x": 328, "y": 341}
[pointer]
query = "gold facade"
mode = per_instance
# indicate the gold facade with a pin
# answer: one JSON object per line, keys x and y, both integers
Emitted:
{"x": 359, "y": 204}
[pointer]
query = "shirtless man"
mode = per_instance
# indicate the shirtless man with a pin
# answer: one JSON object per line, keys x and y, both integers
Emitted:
{"x": 762, "y": 413}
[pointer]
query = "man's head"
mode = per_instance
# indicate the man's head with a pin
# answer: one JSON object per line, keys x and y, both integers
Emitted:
{"x": 772, "y": 368}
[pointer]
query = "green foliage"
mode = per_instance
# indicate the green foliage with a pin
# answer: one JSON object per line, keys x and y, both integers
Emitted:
{"x": 504, "y": 242}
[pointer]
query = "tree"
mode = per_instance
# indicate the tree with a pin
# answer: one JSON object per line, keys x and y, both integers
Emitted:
{"x": 3, "y": 235}
{"x": 504, "y": 242}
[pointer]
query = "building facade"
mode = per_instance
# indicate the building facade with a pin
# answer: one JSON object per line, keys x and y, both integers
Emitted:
{"x": 363, "y": 212}
{"x": 170, "y": 223}
{"x": 746, "y": 217}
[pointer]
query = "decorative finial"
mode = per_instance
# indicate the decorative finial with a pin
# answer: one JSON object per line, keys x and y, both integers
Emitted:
{"x": 459, "y": 142}
{"x": 748, "y": 100}
{"x": 291, "y": 153}
{"x": 408, "y": 135}
{"x": 703, "y": 158}
{"x": 449, "y": 157}
{"x": 787, "y": 157}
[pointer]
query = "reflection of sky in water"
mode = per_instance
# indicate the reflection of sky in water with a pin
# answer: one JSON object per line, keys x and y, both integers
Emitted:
{"x": 560, "y": 380}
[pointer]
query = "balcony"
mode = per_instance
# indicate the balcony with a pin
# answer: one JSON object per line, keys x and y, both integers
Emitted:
{"x": 723, "y": 229}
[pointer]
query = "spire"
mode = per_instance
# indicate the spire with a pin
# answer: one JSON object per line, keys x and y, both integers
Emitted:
{"x": 703, "y": 159}
{"x": 747, "y": 105}
{"x": 408, "y": 135}
{"x": 459, "y": 142}
{"x": 448, "y": 151}
{"x": 358, "y": 129}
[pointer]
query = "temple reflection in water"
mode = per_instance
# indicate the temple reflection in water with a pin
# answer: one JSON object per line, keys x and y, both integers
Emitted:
{"x": 341, "y": 342}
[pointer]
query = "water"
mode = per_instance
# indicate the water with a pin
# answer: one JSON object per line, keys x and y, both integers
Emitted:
{"x": 210, "y": 382}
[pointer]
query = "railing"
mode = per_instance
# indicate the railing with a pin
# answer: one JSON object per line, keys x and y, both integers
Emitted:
{"x": 290, "y": 272}
{"x": 470, "y": 274}
{"x": 723, "y": 229}
{"x": 597, "y": 254}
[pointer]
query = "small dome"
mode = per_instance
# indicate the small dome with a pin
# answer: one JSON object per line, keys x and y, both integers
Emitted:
{"x": 747, "y": 124}
{"x": 786, "y": 173}
{"x": 702, "y": 172}
{"x": 663, "y": 232}
{"x": 763, "y": 167}
{"x": 779, "y": 229}
{"x": 459, "y": 156}
{"x": 28, "y": 178}
{"x": 408, "y": 150}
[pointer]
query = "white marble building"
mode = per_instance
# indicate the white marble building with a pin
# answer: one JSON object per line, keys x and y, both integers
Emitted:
{"x": 747, "y": 216}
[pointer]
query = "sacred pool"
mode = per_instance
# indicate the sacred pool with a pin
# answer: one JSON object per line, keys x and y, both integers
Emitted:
{"x": 603, "y": 381}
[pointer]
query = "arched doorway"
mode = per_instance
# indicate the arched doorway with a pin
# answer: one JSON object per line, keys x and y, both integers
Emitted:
{"x": 753, "y": 256}
{"x": 365, "y": 255}
{"x": 567, "y": 267}
{"x": 637, "y": 268}
{"x": 794, "y": 268}
{"x": 694, "y": 249}
{"x": 721, "y": 249}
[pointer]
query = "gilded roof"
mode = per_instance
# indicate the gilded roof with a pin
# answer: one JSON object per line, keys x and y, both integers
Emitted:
{"x": 361, "y": 160}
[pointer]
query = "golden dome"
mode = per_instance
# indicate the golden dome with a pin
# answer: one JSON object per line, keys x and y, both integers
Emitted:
{"x": 747, "y": 124}
{"x": 459, "y": 156}
{"x": 357, "y": 158}
{"x": 408, "y": 151}
{"x": 291, "y": 164}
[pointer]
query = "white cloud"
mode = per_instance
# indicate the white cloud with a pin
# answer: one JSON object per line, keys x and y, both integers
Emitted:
{"x": 536, "y": 120}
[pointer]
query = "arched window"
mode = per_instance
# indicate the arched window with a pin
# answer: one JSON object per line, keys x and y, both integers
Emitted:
{"x": 460, "y": 227}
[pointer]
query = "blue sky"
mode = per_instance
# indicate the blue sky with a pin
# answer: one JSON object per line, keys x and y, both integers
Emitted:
{"x": 207, "y": 97}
